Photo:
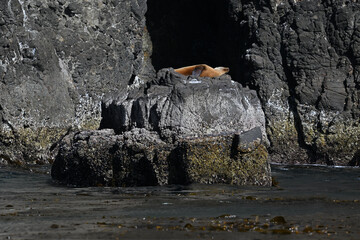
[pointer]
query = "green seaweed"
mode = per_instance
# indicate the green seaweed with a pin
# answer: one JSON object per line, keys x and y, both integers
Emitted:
{"x": 212, "y": 160}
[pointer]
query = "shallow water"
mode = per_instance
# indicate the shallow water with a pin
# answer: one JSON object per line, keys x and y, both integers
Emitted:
{"x": 309, "y": 202}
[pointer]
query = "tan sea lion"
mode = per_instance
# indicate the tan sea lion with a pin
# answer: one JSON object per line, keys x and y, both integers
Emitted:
{"x": 202, "y": 70}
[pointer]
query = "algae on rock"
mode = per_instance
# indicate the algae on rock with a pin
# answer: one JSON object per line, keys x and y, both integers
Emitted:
{"x": 221, "y": 160}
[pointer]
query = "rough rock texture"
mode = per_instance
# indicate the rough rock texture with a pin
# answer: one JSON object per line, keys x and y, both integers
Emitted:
{"x": 57, "y": 60}
{"x": 176, "y": 106}
{"x": 304, "y": 61}
{"x": 302, "y": 57}
{"x": 140, "y": 158}
{"x": 240, "y": 159}
{"x": 102, "y": 158}
{"x": 174, "y": 130}
{"x": 77, "y": 148}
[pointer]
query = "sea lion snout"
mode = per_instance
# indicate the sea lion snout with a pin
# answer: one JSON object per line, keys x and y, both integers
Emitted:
{"x": 223, "y": 69}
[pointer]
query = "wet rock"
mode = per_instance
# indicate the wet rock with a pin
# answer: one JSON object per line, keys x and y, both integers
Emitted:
{"x": 86, "y": 158}
{"x": 174, "y": 130}
{"x": 102, "y": 158}
{"x": 221, "y": 159}
{"x": 278, "y": 220}
{"x": 139, "y": 158}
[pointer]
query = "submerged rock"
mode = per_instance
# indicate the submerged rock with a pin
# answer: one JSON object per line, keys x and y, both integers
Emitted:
{"x": 175, "y": 130}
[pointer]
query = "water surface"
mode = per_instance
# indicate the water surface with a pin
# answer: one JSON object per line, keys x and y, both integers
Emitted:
{"x": 309, "y": 202}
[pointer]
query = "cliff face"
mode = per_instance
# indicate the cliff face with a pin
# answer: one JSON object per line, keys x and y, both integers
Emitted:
{"x": 304, "y": 60}
{"x": 302, "y": 57}
{"x": 59, "y": 58}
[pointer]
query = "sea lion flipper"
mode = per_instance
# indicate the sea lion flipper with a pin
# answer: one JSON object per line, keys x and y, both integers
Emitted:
{"x": 198, "y": 70}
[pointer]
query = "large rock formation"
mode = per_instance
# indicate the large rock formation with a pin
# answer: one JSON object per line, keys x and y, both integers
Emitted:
{"x": 174, "y": 130}
{"x": 304, "y": 61}
{"x": 302, "y": 57}
{"x": 176, "y": 106}
{"x": 59, "y": 58}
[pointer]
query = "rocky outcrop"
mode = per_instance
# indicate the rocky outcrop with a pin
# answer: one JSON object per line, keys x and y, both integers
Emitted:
{"x": 140, "y": 158}
{"x": 58, "y": 59}
{"x": 239, "y": 159}
{"x": 177, "y": 107}
{"x": 302, "y": 57}
{"x": 174, "y": 130}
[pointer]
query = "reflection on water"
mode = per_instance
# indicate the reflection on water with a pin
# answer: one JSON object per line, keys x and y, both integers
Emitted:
{"x": 308, "y": 202}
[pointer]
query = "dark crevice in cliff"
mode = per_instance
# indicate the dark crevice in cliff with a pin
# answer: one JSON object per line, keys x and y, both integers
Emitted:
{"x": 293, "y": 106}
{"x": 187, "y": 32}
{"x": 356, "y": 79}
{"x": 55, "y": 145}
{"x": 345, "y": 50}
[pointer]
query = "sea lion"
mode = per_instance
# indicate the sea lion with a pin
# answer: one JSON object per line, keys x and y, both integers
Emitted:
{"x": 202, "y": 70}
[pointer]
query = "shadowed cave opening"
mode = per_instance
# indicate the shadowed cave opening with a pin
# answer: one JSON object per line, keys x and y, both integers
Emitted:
{"x": 188, "y": 32}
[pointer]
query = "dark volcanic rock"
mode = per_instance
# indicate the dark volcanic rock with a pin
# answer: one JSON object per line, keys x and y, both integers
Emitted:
{"x": 176, "y": 106}
{"x": 223, "y": 159}
{"x": 303, "y": 60}
{"x": 302, "y": 57}
{"x": 76, "y": 149}
{"x": 59, "y": 58}
{"x": 139, "y": 158}
{"x": 177, "y": 130}
{"x": 101, "y": 158}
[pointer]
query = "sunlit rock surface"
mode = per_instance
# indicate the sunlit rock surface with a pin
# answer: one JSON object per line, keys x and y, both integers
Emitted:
{"x": 59, "y": 59}
{"x": 175, "y": 130}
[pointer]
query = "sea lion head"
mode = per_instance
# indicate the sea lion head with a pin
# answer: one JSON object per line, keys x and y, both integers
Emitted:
{"x": 222, "y": 70}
